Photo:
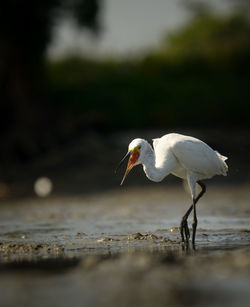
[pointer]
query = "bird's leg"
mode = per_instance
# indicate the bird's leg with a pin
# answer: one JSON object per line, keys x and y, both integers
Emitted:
{"x": 184, "y": 223}
{"x": 195, "y": 221}
{"x": 194, "y": 224}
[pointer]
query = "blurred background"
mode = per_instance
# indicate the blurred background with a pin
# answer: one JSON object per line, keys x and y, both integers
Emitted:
{"x": 79, "y": 79}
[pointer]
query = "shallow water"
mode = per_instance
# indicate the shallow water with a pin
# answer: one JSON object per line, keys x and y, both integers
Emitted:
{"x": 223, "y": 217}
{"x": 122, "y": 236}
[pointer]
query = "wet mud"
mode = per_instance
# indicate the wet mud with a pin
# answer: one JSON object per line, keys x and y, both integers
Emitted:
{"x": 123, "y": 248}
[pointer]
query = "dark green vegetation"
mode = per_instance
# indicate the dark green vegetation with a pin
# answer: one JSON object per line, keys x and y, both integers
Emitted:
{"x": 198, "y": 78}
{"x": 60, "y": 115}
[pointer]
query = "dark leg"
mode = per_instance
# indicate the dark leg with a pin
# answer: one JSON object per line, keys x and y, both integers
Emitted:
{"x": 194, "y": 224}
{"x": 184, "y": 224}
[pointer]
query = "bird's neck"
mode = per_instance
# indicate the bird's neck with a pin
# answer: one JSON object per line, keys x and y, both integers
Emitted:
{"x": 152, "y": 172}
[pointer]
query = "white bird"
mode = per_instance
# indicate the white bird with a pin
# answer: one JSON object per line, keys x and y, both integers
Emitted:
{"x": 183, "y": 156}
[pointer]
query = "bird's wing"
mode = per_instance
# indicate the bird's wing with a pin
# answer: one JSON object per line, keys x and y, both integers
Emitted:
{"x": 196, "y": 156}
{"x": 155, "y": 142}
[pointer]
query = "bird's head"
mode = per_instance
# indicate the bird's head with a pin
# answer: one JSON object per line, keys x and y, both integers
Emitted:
{"x": 135, "y": 153}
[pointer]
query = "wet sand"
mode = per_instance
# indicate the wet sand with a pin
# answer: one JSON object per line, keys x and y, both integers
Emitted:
{"x": 123, "y": 248}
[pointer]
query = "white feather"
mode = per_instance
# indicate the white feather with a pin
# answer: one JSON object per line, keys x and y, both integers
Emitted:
{"x": 183, "y": 156}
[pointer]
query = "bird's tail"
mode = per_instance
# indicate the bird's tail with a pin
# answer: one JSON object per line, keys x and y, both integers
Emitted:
{"x": 224, "y": 166}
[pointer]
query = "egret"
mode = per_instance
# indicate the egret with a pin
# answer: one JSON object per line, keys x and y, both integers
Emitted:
{"x": 183, "y": 156}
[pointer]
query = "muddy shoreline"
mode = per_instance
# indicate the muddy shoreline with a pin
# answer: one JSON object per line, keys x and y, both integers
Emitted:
{"x": 122, "y": 247}
{"x": 170, "y": 276}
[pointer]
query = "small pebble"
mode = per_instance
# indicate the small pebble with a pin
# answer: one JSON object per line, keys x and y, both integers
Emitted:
{"x": 105, "y": 239}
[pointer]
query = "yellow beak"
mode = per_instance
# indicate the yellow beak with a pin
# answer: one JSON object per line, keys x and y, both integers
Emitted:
{"x": 128, "y": 169}
{"x": 133, "y": 160}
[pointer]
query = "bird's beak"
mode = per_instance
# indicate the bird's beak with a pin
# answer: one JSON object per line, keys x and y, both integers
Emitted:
{"x": 128, "y": 169}
{"x": 122, "y": 161}
{"x": 133, "y": 157}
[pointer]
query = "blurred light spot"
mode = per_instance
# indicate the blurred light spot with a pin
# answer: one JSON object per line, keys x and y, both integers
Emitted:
{"x": 43, "y": 186}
